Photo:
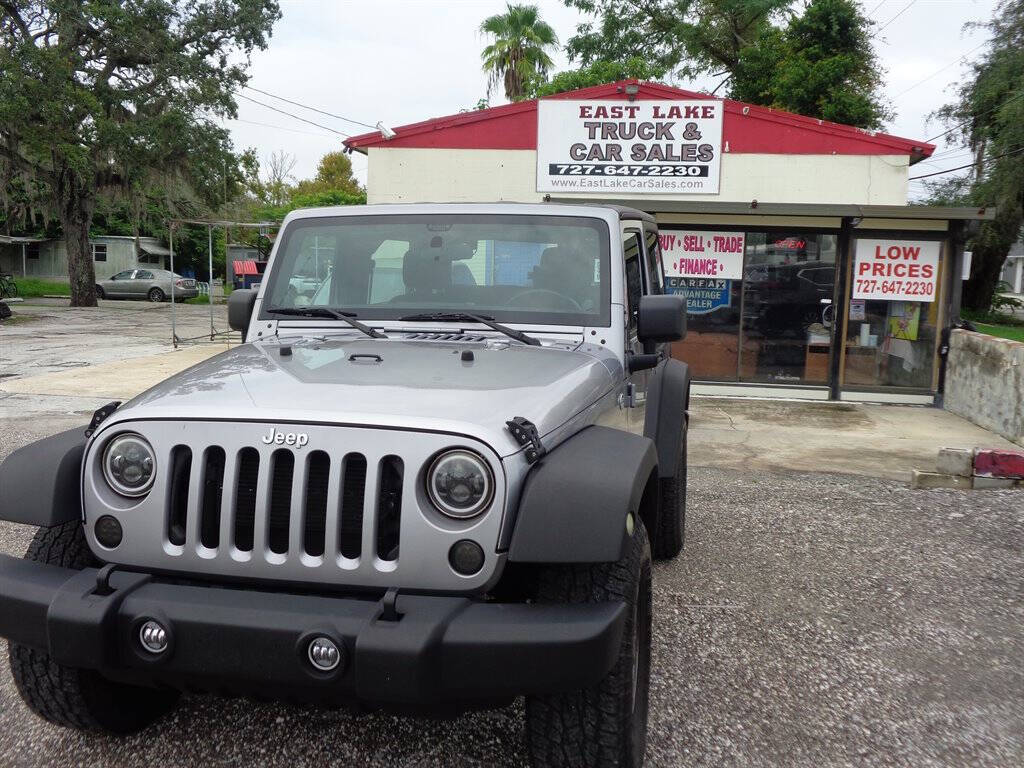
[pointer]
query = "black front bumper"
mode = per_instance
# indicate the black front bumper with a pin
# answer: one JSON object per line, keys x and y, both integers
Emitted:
{"x": 441, "y": 649}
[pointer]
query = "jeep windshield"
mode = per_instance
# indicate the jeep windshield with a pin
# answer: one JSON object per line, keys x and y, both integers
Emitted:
{"x": 536, "y": 270}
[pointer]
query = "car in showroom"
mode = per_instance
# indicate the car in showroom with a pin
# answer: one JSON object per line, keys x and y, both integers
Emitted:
{"x": 434, "y": 484}
{"x": 147, "y": 283}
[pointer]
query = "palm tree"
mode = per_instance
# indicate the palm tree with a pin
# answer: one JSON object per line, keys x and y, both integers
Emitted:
{"x": 519, "y": 52}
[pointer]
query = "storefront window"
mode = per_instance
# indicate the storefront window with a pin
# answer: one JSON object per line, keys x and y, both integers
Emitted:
{"x": 788, "y": 287}
{"x": 893, "y": 314}
{"x": 761, "y": 304}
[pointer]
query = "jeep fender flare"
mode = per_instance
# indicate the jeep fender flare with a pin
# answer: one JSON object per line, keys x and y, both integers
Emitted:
{"x": 576, "y": 499}
{"x": 668, "y": 398}
{"x": 41, "y": 483}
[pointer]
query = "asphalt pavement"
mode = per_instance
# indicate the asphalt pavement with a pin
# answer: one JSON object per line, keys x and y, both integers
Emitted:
{"x": 813, "y": 620}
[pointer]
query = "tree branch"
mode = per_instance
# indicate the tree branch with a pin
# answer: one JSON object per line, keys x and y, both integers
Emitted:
{"x": 23, "y": 164}
{"x": 12, "y": 11}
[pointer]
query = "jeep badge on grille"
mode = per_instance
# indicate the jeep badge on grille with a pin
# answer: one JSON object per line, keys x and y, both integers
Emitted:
{"x": 298, "y": 439}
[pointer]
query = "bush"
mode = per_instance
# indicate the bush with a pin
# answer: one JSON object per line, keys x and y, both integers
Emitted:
{"x": 34, "y": 286}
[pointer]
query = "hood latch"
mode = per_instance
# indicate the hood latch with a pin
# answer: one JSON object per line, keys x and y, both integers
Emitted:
{"x": 525, "y": 433}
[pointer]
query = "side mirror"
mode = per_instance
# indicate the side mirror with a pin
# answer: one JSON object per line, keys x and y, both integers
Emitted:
{"x": 661, "y": 318}
{"x": 240, "y": 304}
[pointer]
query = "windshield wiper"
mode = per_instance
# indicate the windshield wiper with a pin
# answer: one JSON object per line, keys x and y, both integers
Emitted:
{"x": 334, "y": 314}
{"x": 465, "y": 317}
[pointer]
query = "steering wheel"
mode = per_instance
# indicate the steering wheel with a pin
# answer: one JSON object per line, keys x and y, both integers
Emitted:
{"x": 566, "y": 300}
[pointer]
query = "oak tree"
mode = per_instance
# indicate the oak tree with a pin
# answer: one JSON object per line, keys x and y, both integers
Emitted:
{"x": 99, "y": 95}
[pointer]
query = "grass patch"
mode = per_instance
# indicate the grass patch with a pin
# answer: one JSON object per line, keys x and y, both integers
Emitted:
{"x": 29, "y": 287}
{"x": 996, "y": 324}
{"x": 1012, "y": 332}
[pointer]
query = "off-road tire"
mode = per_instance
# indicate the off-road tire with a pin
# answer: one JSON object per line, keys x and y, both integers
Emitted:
{"x": 667, "y": 541}
{"x": 79, "y": 698}
{"x": 99, "y": 292}
{"x": 156, "y": 295}
{"x": 604, "y": 726}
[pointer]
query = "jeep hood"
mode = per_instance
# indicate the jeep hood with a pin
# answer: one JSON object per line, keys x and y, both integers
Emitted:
{"x": 387, "y": 383}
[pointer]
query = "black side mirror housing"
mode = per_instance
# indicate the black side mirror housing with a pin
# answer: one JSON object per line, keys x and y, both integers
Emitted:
{"x": 240, "y": 304}
{"x": 661, "y": 319}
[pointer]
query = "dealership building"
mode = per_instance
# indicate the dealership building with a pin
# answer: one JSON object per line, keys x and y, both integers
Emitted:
{"x": 806, "y": 274}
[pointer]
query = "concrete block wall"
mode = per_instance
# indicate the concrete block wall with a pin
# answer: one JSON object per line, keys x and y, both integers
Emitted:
{"x": 985, "y": 382}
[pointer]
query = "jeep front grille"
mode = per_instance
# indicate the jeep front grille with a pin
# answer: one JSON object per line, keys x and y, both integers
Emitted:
{"x": 345, "y": 509}
{"x": 298, "y": 485}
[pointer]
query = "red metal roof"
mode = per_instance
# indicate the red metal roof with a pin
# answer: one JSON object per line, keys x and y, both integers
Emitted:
{"x": 747, "y": 128}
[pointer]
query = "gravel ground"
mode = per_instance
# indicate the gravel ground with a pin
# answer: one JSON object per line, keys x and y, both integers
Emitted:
{"x": 814, "y": 620}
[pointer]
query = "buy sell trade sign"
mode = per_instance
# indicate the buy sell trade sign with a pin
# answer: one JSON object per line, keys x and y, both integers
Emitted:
{"x": 717, "y": 255}
{"x": 896, "y": 270}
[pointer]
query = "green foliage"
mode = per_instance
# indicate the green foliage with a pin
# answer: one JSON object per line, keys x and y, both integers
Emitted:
{"x": 518, "y": 52}
{"x": 691, "y": 37}
{"x": 988, "y": 117}
{"x": 112, "y": 98}
{"x": 820, "y": 65}
{"x": 313, "y": 200}
{"x": 596, "y": 73}
{"x": 334, "y": 173}
{"x": 29, "y": 287}
{"x": 817, "y": 63}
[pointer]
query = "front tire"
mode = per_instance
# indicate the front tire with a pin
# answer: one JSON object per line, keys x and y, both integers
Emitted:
{"x": 156, "y": 295}
{"x": 79, "y": 698}
{"x": 606, "y": 725}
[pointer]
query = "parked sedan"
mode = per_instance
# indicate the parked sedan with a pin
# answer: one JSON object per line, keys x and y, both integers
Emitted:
{"x": 152, "y": 284}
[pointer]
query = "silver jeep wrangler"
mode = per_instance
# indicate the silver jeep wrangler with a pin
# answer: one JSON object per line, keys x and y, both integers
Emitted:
{"x": 431, "y": 479}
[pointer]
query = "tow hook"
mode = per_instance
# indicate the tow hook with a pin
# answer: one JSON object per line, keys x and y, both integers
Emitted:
{"x": 388, "y": 610}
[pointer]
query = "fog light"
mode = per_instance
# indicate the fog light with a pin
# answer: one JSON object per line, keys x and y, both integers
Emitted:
{"x": 466, "y": 557}
{"x": 324, "y": 654}
{"x": 108, "y": 531}
{"x": 153, "y": 637}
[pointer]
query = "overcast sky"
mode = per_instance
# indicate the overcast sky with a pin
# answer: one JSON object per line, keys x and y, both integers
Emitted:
{"x": 401, "y": 61}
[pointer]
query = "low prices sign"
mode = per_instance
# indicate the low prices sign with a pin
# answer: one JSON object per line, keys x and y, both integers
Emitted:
{"x": 703, "y": 254}
{"x": 639, "y": 147}
{"x": 896, "y": 270}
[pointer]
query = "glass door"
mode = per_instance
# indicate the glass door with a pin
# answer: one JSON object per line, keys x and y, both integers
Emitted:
{"x": 788, "y": 308}
{"x": 893, "y": 314}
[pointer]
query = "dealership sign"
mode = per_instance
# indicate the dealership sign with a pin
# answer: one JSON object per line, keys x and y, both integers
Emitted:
{"x": 703, "y": 296}
{"x": 702, "y": 254}
{"x": 896, "y": 270}
{"x": 629, "y": 147}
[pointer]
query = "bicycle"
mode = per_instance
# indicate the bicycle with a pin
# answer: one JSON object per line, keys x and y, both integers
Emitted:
{"x": 8, "y": 288}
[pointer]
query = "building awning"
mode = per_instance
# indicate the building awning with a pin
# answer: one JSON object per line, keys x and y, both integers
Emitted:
{"x": 9, "y": 239}
{"x": 850, "y": 210}
{"x": 154, "y": 250}
{"x": 245, "y": 267}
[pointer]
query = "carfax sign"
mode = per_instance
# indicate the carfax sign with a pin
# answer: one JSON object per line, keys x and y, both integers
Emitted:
{"x": 638, "y": 147}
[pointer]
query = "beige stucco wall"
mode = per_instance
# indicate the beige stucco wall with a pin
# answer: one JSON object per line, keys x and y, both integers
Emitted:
{"x": 483, "y": 175}
{"x": 985, "y": 382}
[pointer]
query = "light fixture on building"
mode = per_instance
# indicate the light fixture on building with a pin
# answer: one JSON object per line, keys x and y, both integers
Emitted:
{"x": 385, "y": 132}
{"x": 631, "y": 91}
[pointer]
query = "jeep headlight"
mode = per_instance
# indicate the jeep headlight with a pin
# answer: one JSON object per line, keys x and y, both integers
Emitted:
{"x": 129, "y": 465}
{"x": 460, "y": 483}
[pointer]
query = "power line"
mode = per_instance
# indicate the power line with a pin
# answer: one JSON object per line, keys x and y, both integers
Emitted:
{"x": 876, "y": 8}
{"x": 311, "y": 109}
{"x": 975, "y": 117}
{"x": 969, "y": 165}
{"x": 294, "y": 117}
{"x": 890, "y": 21}
{"x": 280, "y": 127}
{"x": 939, "y": 71}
